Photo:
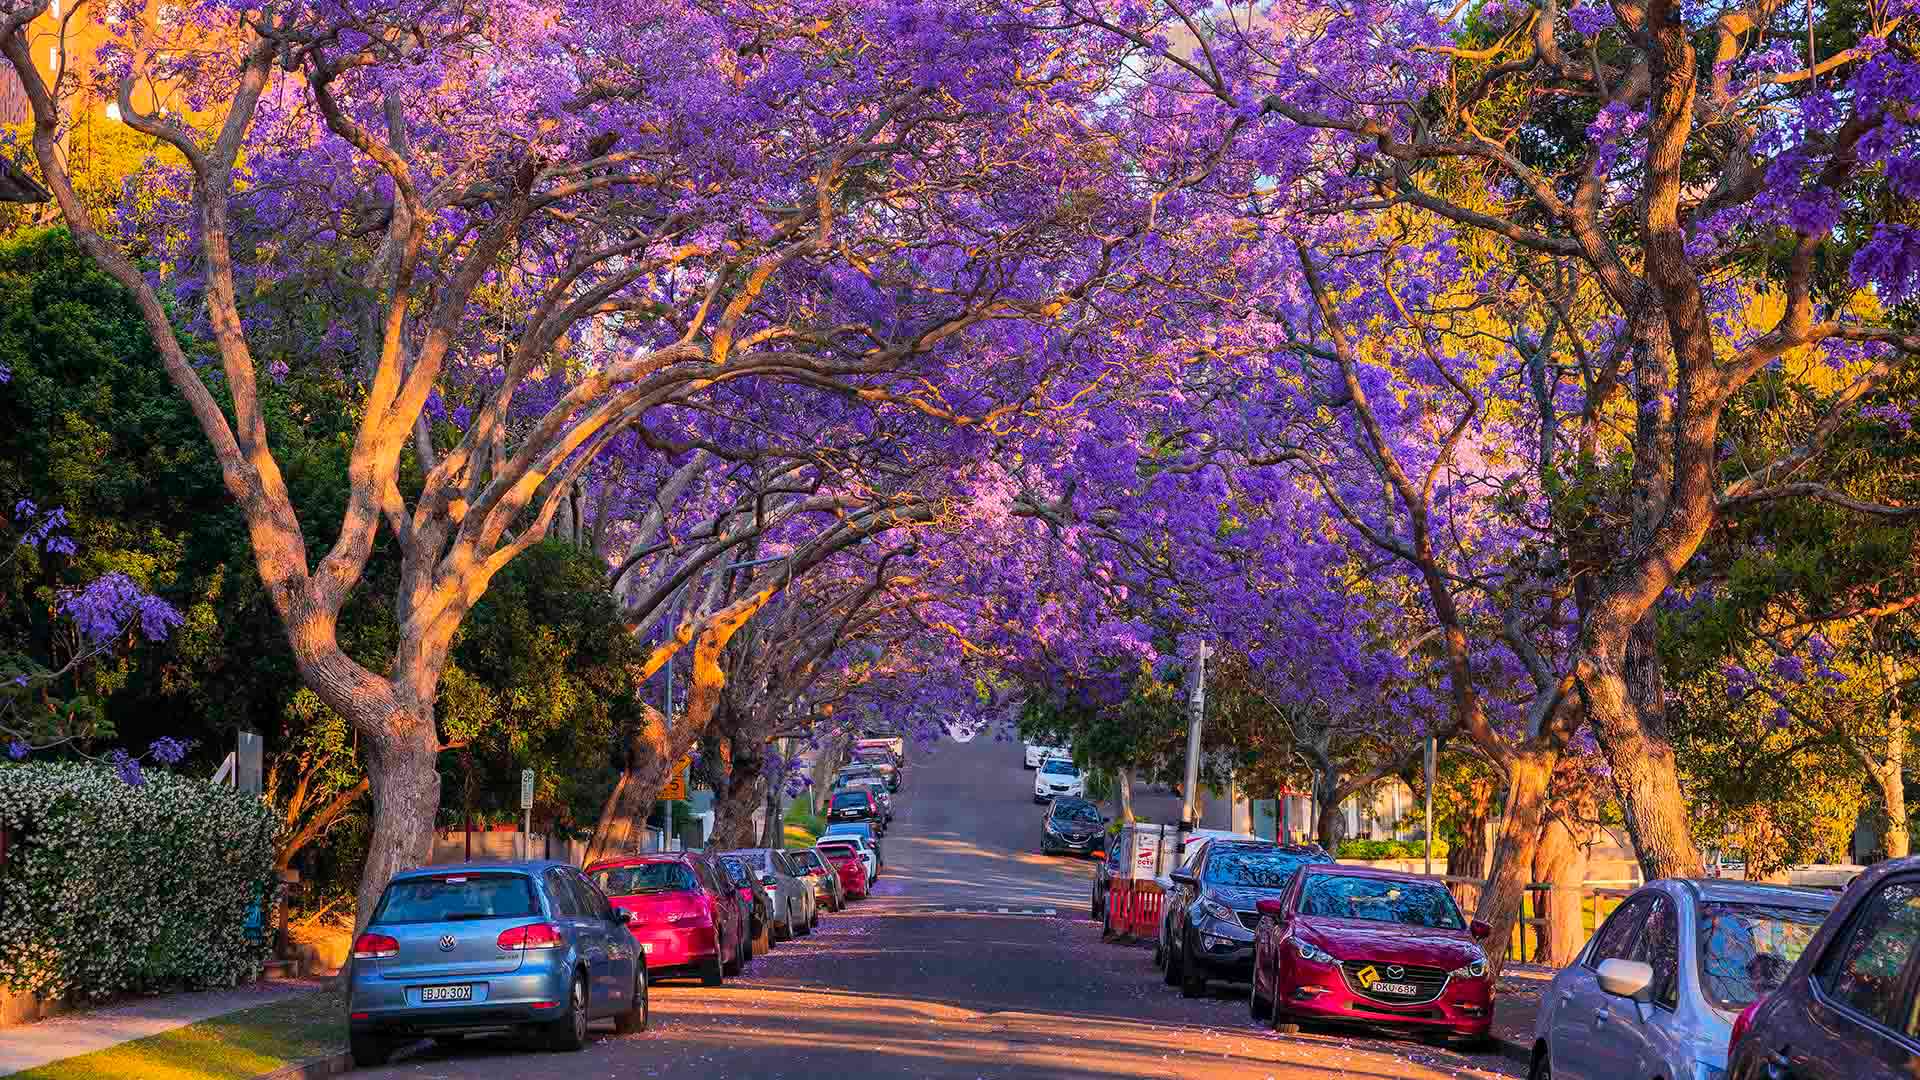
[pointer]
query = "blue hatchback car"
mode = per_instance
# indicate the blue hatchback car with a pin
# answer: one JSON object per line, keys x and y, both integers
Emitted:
{"x": 528, "y": 947}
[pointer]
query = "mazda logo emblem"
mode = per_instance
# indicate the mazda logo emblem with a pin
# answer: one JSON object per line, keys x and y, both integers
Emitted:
{"x": 1394, "y": 971}
{"x": 446, "y": 942}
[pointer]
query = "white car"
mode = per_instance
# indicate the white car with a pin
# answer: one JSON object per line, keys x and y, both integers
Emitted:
{"x": 1057, "y": 777}
{"x": 1037, "y": 754}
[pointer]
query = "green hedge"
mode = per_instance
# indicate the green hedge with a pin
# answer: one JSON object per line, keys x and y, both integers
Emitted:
{"x": 1390, "y": 849}
{"x": 110, "y": 887}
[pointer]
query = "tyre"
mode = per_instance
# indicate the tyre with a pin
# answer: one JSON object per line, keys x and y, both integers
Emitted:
{"x": 738, "y": 959}
{"x": 634, "y": 1020}
{"x": 1172, "y": 973}
{"x": 1093, "y": 906}
{"x": 711, "y": 973}
{"x": 1259, "y": 1008}
{"x": 813, "y": 921}
{"x": 369, "y": 1050}
{"x": 1193, "y": 977}
{"x": 1286, "y": 1027}
{"x": 1542, "y": 1067}
{"x": 569, "y": 1031}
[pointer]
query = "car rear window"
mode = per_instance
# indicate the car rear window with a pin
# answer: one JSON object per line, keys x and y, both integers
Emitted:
{"x": 1746, "y": 950}
{"x": 445, "y": 898}
{"x": 849, "y": 798}
{"x": 653, "y": 877}
{"x": 841, "y": 851}
{"x": 803, "y": 861}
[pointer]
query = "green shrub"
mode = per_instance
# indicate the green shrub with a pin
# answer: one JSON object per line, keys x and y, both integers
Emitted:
{"x": 110, "y": 887}
{"x": 1390, "y": 849}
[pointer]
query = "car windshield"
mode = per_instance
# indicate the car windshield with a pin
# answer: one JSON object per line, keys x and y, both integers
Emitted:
{"x": 1409, "y": 903}
{"x": 1074, "y": 810}
{"x": 651, "y": 877}
{"x": 1059, "y": 767}
{"x": 1747, "y": 949}
{"x": 849, "y": 799}
{"x": 1255, "y": 869}
{"x": 457, "y": 896}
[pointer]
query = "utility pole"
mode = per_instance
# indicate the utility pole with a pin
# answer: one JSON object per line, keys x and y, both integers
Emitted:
{"x": 1429, "y": 836}
{"x": 1196, "y": 707}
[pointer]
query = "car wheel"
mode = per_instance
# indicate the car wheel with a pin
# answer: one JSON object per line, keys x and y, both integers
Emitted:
{"x": 1542, "y": 1066}
{"x": 369, "y": 1050}
{"x": 1286, "y": 1027}
{"x": 634, "y": 1020}
{"x": 1093, "y": 909}
{"x": 1172, "y": 974}
{"x": 569, "y": 1032}
{"x": 711, "y": 973}
{"x": 738, "y": 960}
{"x": 1193, "y": 977}
{"x": 813, "y": 921}
{"x": 1259, "y": 1008}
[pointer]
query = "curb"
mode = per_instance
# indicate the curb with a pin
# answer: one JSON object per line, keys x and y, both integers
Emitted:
{"x": 312, "y": 1068}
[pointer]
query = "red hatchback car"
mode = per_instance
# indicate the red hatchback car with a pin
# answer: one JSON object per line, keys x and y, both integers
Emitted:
{"x": 846, "y": 862}
{"x": 686, "y": 913}
{"x": 1352, "y": 944}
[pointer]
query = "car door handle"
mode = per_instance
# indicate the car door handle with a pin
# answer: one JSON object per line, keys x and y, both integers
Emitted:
{"x": 1599, "y": 1016}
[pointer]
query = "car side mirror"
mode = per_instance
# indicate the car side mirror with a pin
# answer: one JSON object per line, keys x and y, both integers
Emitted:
{"x": 1630, "y": 979}
{"x": 622, "y": 916}
{"x": 1270, "y": 907}
{"x": 1182, "y": 877}
{"x": 1480, "y": 931}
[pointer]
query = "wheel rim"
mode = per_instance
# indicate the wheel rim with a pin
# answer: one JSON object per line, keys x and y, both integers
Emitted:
{"x": 579, "y": 1010}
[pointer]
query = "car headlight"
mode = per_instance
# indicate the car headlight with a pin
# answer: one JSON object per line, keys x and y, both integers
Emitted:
{"x": 1475, "y": 970}
{"x": 1313, "y": 954}
{"x": 1218, "y": 910}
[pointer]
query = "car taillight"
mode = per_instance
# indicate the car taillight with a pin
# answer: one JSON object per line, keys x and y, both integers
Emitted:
{"x": 374, "y": 947}
{"x": 1743, "y": 1024}
{"x": 531, "y": 936}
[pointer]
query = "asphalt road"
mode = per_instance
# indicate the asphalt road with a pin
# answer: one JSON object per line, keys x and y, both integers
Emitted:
{"x": 908, "y": 985}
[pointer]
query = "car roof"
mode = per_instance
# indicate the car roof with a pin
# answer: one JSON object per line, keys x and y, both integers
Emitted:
{"x": 1724, "y": 891}
{"x": 476, "y": 866}
{"x": 1228, "y": 844}
{"x": 1350, "y": 870}
{"x": 643, "y": 858}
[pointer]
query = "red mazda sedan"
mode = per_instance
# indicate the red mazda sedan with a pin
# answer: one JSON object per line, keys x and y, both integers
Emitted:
{"x": 846, "y": 862}
{"x": 1355, "y": 945}
{"x": 686, "y": 913}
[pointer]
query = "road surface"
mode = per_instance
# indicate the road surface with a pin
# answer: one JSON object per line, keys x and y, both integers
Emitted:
{"x": 911, "y": 984}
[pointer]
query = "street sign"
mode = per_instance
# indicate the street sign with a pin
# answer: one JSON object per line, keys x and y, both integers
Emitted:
{"x": 526, "y": 789}
{"x": 677, "y": 782}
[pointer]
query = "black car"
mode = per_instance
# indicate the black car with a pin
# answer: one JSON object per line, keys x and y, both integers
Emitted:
{"x": 760, "y": 916}
{"x": 1211, "y": 914}
{"x": 1847, "y": 1009}
{"x": 1072, "y": 825}
{"x": 856, "y": 804}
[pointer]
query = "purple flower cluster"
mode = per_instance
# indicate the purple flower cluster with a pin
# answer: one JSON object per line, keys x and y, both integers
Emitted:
{"x": 112, "y": 603}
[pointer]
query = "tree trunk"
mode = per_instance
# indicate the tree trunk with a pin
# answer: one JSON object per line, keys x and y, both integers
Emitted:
{"x": 1467, "y": 855}
{"x": 1560, "y": 861}
{"x": 1331, "y": 827}
{"x": 1893, "y": 791}
{"x": 1645, "y": 775}
{"x": 401, "y": 757}
{"x": 737, "y": 794}
{"x": 1529, "y": 774}
{"x": 650, "y": 757}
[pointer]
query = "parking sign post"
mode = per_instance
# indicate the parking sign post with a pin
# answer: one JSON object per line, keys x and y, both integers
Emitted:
{"x": 526, "y": 812}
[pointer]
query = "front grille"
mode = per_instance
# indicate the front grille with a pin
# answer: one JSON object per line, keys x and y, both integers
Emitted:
{"x": 1430, "y": 981}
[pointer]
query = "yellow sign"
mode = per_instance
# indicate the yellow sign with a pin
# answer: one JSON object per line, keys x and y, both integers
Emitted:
{"x": 1366, "y": 977}
{"x": 677, "y": 783}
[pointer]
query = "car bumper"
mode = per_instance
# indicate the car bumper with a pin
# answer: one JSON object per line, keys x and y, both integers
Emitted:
{"x": 1232, "y": 960}
{"x": 534, "y": 992}
{"x": 1056, "y": 842}
{"x": 1464, "y": 1007}
{"x": 667, "y": 949}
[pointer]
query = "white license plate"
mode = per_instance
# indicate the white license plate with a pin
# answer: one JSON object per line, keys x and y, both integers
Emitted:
{"x": 646, "y": 947}
{"x": 446, "y": 993}
{"x": 1402, "y": 989}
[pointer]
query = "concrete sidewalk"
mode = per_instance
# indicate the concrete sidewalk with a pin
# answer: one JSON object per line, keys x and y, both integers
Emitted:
{"x": 30, "y": 1046}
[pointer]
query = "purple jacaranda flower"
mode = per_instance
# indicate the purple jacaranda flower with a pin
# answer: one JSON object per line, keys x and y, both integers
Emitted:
{"x": 17, "y": 750}
{"x": 112, "y": 603}
{"x": 168, "y": 750}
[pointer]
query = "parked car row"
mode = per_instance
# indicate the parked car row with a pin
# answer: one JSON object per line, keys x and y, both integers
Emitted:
{"x": 540, "y": 948}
